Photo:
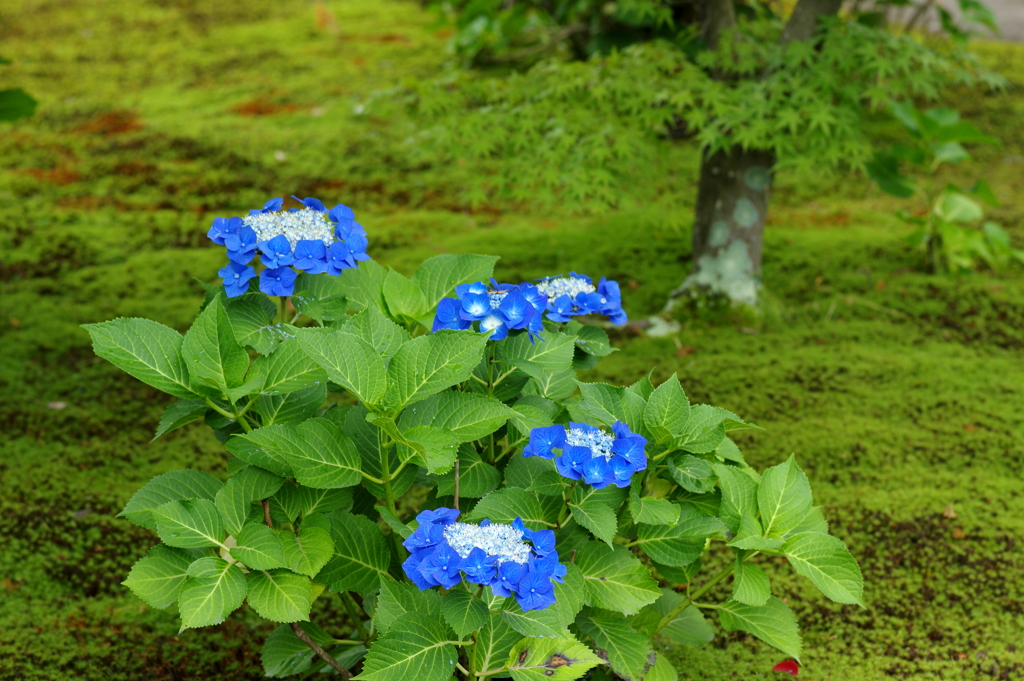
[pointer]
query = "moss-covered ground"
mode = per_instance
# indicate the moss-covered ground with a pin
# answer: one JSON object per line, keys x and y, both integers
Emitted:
{"x": 899, "y": 392}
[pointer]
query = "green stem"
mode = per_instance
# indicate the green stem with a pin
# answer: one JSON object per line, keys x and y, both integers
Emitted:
{"x": 565, "y": 505}
{"x": 471, "y": 658}
{"x": 686, "y": 602}
{"x": 284, "y": 309}
{"x": 353, "y": 611}
{"x": 233, "y": 415}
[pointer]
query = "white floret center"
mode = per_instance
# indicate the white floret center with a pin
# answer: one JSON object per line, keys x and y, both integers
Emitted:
{"x": 568, "y": 286}
{"x": 299, "y": 225}
{"x": 503, "y": 541}
{"x": 599, "y": 442}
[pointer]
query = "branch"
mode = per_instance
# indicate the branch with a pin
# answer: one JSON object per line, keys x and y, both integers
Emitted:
{"x": 804, "y": 20}
{"x": 719, "y": 17}
{"x": 321, "y": 653}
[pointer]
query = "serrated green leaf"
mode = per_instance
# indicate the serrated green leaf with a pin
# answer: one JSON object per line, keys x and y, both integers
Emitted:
{"x": 679, "y": 544}
{"x": 213, "y": 590}
{"x": 536, "y": 474}
{"x": 251, "y": 318}
{"x": 730, "y": 452}
{"x": 783, "y": 497}
{"x": 189, "y": 524}
{"x": 527, "y": 417}
{"x": 348, "y": 360}
{"x": 751, "y": 537}
{"x": 235, "y": 498}
{"x": 362, "y": 286}
{"x": 307, "y": 552}
{"x": 288, "y": 370}
{"x": 560, "y": 659}
{"x": 464, "y": 613}
{"x": 292, "y": 407}
{"x": 213, "y": 356}
{"x": 695, "y": 475}
{"x": 827, "y": 562}
{"x": 416, "y": 647}
{"x": 541, "y": 360}
{"x": 505, "y": 505}
{"x": 404, "y": 297}
{"x": 653, "y": 511}
{"x": 602, "y": 402}
{"x": 427, "y": 365}
{"x": 546, "y": 623}
{"x": 614, "y": 579}
{"x": 590, "y": 339}
{"x": 668, "y": 410}
{"x": 435, "y": 448}
{"x": 148, "y": 351}
{"x": 280, "y": 595}
{"x": 292, "y": 500}
{"x": 259, "y": 548}
{"x": 773, "y": 623}
{"x": 179, "y": 414}
{"x": 172, "y": 486}
{"x": 158, "y": 577}
{"x": 470, "y": 417}
{"x": 438, "y": 276}
{"x": 316, "y": 452}
{"x": 739, "y": 495}
{"x": 284, "y": 654}
{"x": 397, "y": 598}
{"x": 661, "y": 670}
{"x": 683, "y": 574}
{"x": 629, "y": 652}
{"x": 361, "y": 556}
{"x": 688, "y": 627}
{"x": 381, "y": 333}
{"x": 813, "y": 523}
{"x": 476, "y": 477}
{"x": 392, "y": 521}
{"x": 494, "y": 643}
{"x": 750, "y": 585}
{"x": 590, "y": 512}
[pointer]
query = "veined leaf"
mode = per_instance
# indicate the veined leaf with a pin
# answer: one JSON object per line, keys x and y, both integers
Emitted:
{"x": 214, "y": 589}
{"x": 505, "y": 505}
{"x": 189, "y": 524}
{"x": 653, "y": 511}
{"x": 416, "y": 647}
{"x": 348, "y": 360}
{"x": 750, "y": 585}
{"x": 751, "y": 538}
{"x": 688, "y": 627}
{"x": 614, "y": 579}
{"x": 308, "y": 551}
{"x": 158, "y": 577}
{"x": 251, "y": 318}
{"x": 590, "y": 512}
{"x": 317, "y": 451}
{"x": 234, "y": 500}
{"x": 629, "y": 652}
{"x": 668, "y": 410}
{"x": 179, "y": 414}
{"x": 827, "y": 562}
{"x": 292, "y": 407}
{"x": 211, "y": 352}
{"x": 284, "y": 654}
{"x": 149, "y": 351}
{"x": 695, "y": 475}
{"x": 773, "y": 623}
{"x": 397, "y": 598}
{"x": 186, "y": 484}
{"x": 560, "y": 659}
{"x": 494, "y": 643}
{"x": 783, "y": 497}
{"x": 476, "y": 477}
{"x": 429, "y": 364}
{"x": 381, "y": 333}
{"x": 288, "y": 370}
{"x": 438, "y": 276}
{"x": 259, "y": 548}
{"x": 739, "y": 495}
{"x": 280, "y": 595}
{"x": 470, "y": 417}
{"x": 361, "y": 557}
{"x": 463, "y": 613}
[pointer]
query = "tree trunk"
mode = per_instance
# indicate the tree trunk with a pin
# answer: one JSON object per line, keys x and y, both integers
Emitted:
{"x": 735, "y": 186}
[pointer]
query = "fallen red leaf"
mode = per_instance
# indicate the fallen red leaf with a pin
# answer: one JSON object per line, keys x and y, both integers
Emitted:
{"x": 789, "y": 667}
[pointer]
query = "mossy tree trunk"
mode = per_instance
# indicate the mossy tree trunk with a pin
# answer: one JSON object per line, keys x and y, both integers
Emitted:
{"x": 735, "y": 185}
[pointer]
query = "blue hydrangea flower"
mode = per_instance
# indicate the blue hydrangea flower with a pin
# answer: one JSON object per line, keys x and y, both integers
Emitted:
{"x": 511, "y": 559}
{"x": 591, "y": 454}
{"x": 308, "y": 239}
{"x": 576, "y": 294}
{"x": 497, "y": 309}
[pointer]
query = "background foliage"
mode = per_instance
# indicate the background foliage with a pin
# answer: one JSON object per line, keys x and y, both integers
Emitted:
{"x": 897, "y": 389}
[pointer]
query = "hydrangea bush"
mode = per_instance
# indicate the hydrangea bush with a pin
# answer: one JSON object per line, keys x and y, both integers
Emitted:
{"x": 420, "y": 449}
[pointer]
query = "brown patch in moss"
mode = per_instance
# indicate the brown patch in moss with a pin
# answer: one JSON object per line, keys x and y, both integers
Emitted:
{"x": 260, "y": 107}
{"x": 112, "y": 123}
{"x": 62, "y": 175}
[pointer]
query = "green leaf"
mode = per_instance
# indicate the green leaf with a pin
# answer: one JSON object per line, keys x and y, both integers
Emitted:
{"x": 956, "y": 207}
{"x": 179, "y": 414}
{"x": 416, "y": 647}
{"x": 471, "y": 417}
{"x": 148, "y": 351}
{"x": 614, "y": 579}
{"x": 280, "y": 595}
{"x": 189, "y": 524}
{"x": 751, "y": 585}
{"x": 529, "y": 415}
{"x": 559, "y": 659}
{"x": 602, "y": 402}
{"x": 590, "y": 512}
{"x": 653, "y": 511}
{"x": 813, "y": 523}
{"x": 545, "y": 623}
{"x": 429, "y": 364}
{"x": 259, "y": 548}
{"x": 403, "y": 296}
{"x": 827, "y": 562}
{"x": 214, "y": 589}
{"x": 679, "y": 574}
{"x": 292, "y": 407}
{"x": 679, "y": 544}
{"x": 362, "y": 286}
{"x": 308, "y": 551}
{"x": 381, "y": 333}
{"x": 361, "y": 556}
{"x": 590, "y": 339}
{"x": 438, "y": 276}
{"x": 661, "y": 670}
{"x": 494, "y": 643}
{"x": 476, "y": 477}
{"x": 983, "y": 191}
{"x": 884, "y": 169}
{"x": 435, "y": 448}
{"x": 783, "y": 497}
{"x": 284, "y": 654}
{"x": 213, "y": 356}
{"x": 695, "y": 475}
{"x": 316, "y": 451}
{"x": 739, "y": 495}
{"x": 348, "y": 360}
{"x": 15, "y": 103}
{"x": 464, "y": 613}
{"x": 540, "y": 360}
{"x": 397, "y": 598}
{"x": 158, "y": 577}
{"x": 400, "y": 528}
{"x": 295, "y": 500}
{"x": 536, "y": 474}
{"x": 235, "y": 498}
{"x": 251, "y": 318}
{"x": 288, "y": 370}
{"x": 773, "y": 623}
{"x": 629, "y": 652}
{"x": 505, "y": 505}
{"x": 750, "y": 536}
{"x": 688, "y": 627}
{"x": 668, "y": 410}
{"x": 173, "y": 486}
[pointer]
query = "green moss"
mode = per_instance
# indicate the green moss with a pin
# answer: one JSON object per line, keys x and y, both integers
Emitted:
{"x": 897, "y": 391}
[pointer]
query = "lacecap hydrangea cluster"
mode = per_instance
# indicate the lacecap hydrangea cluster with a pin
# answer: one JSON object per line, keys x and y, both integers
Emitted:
{"x": 592, "y": 454}
{"x": 504, "y": 307}
{"x": 511, "y": 559}
{"x": 308, "y": 239}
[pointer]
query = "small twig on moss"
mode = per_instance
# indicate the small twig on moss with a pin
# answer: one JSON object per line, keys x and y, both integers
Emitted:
{"x": 321, "y": 653}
